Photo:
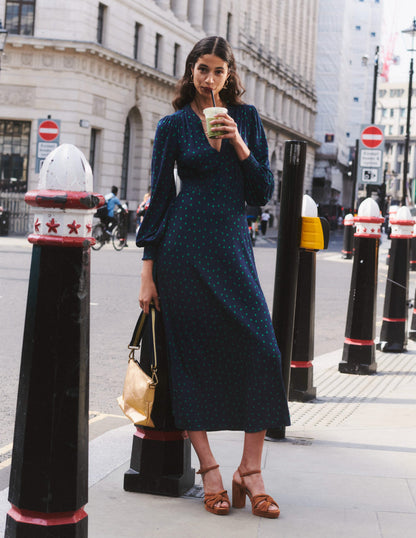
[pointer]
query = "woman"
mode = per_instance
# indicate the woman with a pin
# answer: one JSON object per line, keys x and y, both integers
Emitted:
{"x": 224, "y": 361}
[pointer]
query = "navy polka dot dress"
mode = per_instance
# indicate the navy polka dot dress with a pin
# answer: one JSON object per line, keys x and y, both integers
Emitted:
{"x": 225, "y": 366}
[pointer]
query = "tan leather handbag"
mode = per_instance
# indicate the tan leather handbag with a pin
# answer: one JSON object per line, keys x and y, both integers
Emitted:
{"x": 138, "y": 395}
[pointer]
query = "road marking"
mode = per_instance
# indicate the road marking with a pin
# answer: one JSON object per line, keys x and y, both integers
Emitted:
{"x": 6, "y": 449}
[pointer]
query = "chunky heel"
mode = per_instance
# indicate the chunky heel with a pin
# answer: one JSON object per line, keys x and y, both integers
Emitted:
{"x": 260, "y": 503}
{"x": 239, "y": 495}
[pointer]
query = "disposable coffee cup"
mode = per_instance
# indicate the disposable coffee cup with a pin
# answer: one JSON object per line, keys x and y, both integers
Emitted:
{"x": 209, "y": 114}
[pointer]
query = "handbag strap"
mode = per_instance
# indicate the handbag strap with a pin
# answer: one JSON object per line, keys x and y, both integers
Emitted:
{"x": 138, "y": 335}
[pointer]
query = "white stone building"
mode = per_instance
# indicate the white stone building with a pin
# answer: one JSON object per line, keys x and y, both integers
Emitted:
{"x": 107, "y": 70}
{"x": 392, "y": 100}
{"x": 348, "y": 34}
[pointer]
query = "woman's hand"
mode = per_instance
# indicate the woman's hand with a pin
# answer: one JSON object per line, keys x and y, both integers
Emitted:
{"x": 148, "y": 291}
{"x": 225, "y": 124}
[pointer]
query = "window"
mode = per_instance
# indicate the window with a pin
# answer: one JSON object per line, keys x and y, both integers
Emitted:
{"x": 373, "y": 34}
{"x": 158, "y": 45}
{"x": 402, "y": 112}
{"x": 125, "y": 163}
{"x": 228, "y": 31}
{"x": 400, "y": 148}
{"x": 14, "y": 155}
{"x": 358, "y": 27}
{"x": 101, "y": 22}
{"x": 136, "y": 47}
{"x": 384, "y": 112}
{"x": 382, "y": 93}
{"x": 94, "y": 141}
{"x": 356, "y": 99}
{"x": 20, "y": 16}
{"x": 392, "y": 113}
{"x": 401, "y": 129}
{"x": 390, "y": 129}
{"x": 176, "y": 59}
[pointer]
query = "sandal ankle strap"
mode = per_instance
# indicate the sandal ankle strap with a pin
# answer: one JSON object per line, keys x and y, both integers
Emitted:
{"x": 248, "y": 473}
{"x": 204, "y": 471}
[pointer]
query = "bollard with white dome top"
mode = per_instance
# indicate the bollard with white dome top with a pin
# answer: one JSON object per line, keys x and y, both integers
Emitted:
{"x": 359, "y": 348}
{"x": 314, "y": 236}
{"x": 49, "y": 472}
{"x": 348, "y": 237}
{"x": 393, "y": 337}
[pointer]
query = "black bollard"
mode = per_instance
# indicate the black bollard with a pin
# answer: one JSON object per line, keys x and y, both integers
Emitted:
{"x": 315, "y": 235}
{"x": 348, "y": 237}
{"x": 412, "y": 332}
{"x": 412, "y": 264}
{"x": 393, "y": 334}
{"x": 160, "y": 460}
{"x": 287, "y": 260}
{"x": 359, "y": 349}
{"x": 49, "y": 471}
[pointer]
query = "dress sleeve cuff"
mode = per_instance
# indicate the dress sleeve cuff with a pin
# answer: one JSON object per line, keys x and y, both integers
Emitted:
{"x": 149, "y": 252}
{"x": 249, "y": 163}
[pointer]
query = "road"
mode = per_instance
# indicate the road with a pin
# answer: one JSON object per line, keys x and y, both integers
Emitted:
{"x": 114, "y": 310}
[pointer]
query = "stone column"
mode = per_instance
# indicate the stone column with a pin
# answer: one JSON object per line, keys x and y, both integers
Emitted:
{"x": 164, "y": 4}
{"x": 196, "y": 13}
{"x": 180, "y": 9}
{"x": 210, "y": 17}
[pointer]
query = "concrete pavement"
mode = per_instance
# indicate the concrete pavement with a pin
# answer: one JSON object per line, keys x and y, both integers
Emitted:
{"x": 347, "y": 467}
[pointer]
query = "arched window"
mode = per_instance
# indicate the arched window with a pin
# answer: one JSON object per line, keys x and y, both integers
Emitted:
{"x": 125, "y": 163}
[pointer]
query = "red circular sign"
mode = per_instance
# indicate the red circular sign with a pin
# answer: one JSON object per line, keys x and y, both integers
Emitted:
{"x": 372, "y": 136}
{"x": 48, "y": 130}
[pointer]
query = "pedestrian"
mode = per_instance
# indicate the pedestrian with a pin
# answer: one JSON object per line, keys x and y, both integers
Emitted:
{"x": 141, "y": 210}
{"x": 264, "y": 221}
{"x": 225, "y": 366}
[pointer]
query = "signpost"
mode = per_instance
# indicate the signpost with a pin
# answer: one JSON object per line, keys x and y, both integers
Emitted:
{"x": 47, "y": 139}
{"x": 370, "y": 154}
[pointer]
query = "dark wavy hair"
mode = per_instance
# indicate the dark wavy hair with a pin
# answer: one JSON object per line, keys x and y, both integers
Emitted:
{"x": 185, "y": 90}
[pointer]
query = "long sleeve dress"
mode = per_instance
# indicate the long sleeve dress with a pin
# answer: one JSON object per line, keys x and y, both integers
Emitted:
{"x": 225, "y": 367}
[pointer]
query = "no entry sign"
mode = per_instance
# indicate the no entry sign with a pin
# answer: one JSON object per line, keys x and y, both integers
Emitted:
{"x": 47, "y": 139}
{"x": 48, "y": 130}
{"x": 372, "y": 136}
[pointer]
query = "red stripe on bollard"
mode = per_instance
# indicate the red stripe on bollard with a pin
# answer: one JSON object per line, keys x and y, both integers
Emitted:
{"x": 159, "y": 435}
{"x": 397, "y": 320}
{"x": 301, "y": 364}
{"x": 355, "y": 342}
{"x": 45, "y": 520}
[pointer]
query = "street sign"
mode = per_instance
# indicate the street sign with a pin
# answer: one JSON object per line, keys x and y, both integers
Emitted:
{"x": 47, "y": 140}
{"x": 372, "y": 136}
{"x": 48, "y": 130}
{"x": 370, "y": 154}
{"x": 370, "y": 175}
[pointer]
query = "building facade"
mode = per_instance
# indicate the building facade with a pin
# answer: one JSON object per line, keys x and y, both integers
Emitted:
{"x": 392, "y": 100}
{"x": 348, "y": 34}
{"x": 105, "y": 72}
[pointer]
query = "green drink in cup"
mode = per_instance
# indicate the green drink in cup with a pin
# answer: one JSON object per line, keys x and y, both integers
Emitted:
{"x": 209, "y": 114}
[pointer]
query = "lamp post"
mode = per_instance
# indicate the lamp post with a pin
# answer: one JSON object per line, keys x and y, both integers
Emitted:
{"x": 373, "y": 105}
{"x": 412, "y": 33}
{"x": 3, "y": 37}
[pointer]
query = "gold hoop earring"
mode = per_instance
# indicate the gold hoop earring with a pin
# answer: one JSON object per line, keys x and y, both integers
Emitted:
{"x": 226, "y": 84}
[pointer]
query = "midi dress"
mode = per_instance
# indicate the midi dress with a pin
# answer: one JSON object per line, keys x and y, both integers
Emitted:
{"x": 224, "y": 361}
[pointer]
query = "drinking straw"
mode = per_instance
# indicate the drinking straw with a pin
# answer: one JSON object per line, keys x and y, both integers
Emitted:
{"x": 212, "y": 96}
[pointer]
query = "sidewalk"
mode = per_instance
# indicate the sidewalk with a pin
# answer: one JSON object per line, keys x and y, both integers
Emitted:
{"x": 347, "y": 467}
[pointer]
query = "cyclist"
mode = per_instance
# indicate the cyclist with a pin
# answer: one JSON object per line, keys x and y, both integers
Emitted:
{"x": 111, "y": 201}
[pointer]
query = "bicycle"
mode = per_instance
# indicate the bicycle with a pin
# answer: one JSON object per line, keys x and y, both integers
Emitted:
{"x": 117, "y": 234}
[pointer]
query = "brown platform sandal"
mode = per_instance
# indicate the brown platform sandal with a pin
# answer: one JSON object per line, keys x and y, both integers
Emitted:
{"x": 211, "y": 499}
{"x": 260, "y": 503}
